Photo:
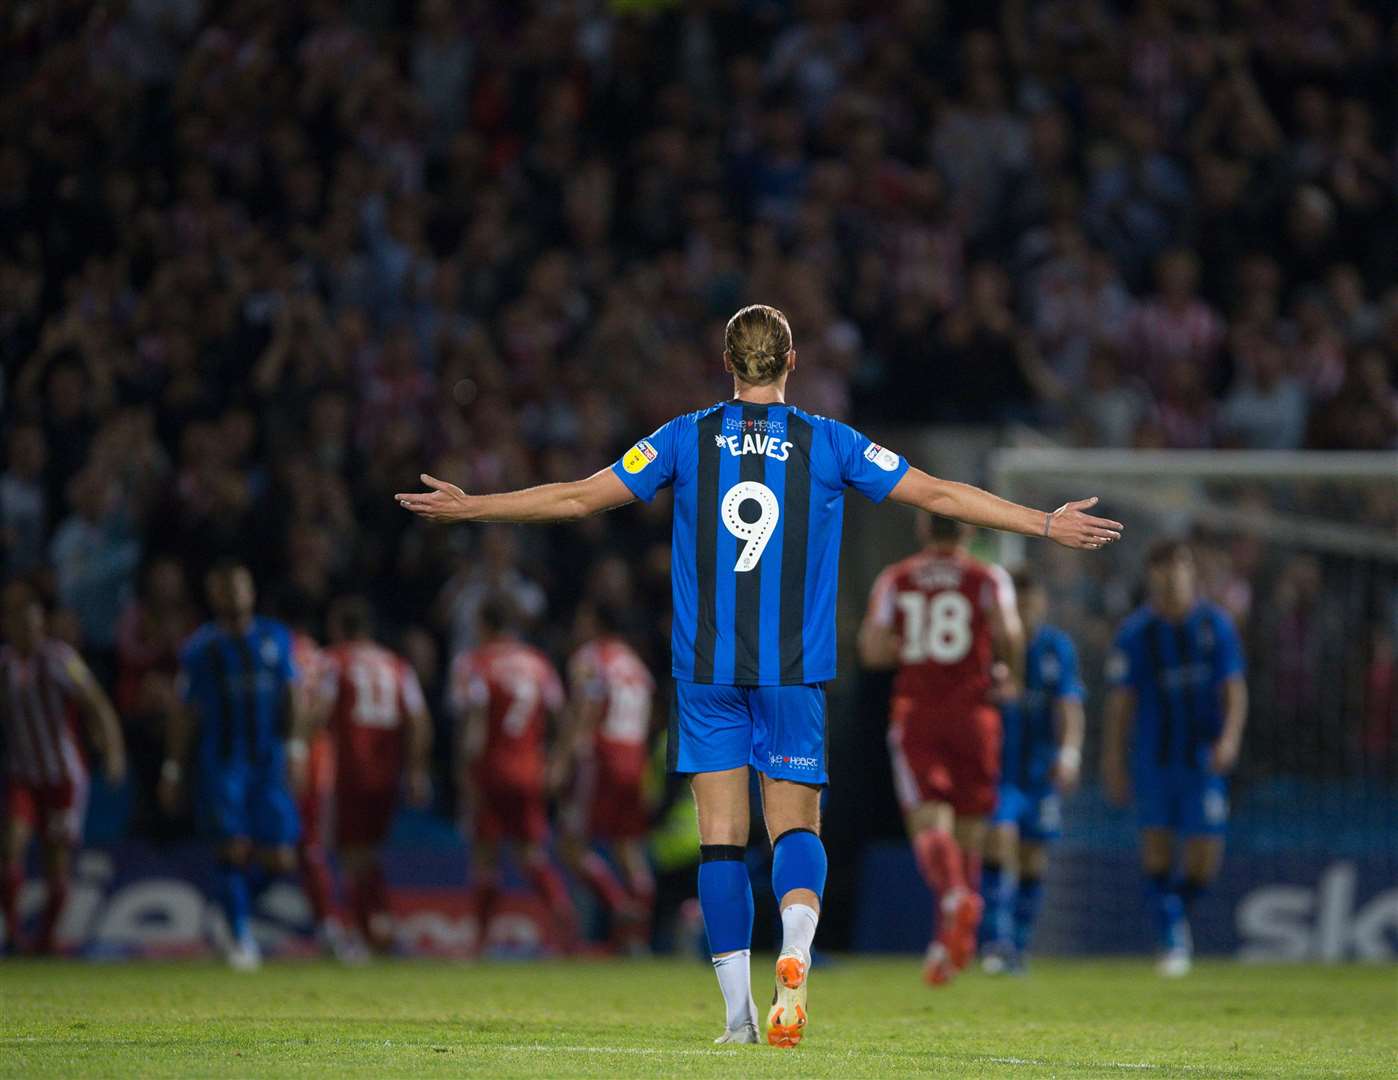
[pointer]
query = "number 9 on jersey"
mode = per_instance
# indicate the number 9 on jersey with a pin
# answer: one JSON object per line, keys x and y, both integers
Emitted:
{"x": 756, "y": 533}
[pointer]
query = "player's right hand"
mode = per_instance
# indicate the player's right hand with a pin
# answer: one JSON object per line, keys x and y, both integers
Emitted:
{"x": 1004, "y": 690}
{"x": 1072, "y": 528}
{"x": 1223, "y": 756}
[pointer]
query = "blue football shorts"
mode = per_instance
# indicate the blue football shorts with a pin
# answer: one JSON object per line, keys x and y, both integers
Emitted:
{"x": 1036, "y": 812}
{"x": 778, "y": 730}
{"x": 1189, "y": 802}
{"x": 240, "y": 800}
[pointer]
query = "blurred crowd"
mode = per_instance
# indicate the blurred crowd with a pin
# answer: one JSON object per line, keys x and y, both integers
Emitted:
{"x": 262, "y": 263}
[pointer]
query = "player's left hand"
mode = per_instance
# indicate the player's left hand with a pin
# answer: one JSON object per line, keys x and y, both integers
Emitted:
{"x": 445, "y": 503}
{"x": 114, "y": 767}
{"x": 1071, "y": 527}
{"x": 1065, "y": 776}
{"x": 1224, "y": 755}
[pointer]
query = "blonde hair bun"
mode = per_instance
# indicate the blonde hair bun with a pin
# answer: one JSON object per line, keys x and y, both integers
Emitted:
{"x": 758, "y": 341}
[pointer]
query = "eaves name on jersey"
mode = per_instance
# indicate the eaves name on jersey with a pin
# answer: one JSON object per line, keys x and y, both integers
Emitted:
{"x": 759, "y": 505}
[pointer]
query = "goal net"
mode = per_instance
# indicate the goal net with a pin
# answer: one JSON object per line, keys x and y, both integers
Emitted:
{"x": 1301, "y": 549}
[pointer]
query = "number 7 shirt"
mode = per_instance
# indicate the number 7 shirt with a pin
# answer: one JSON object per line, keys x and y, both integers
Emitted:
{"x": 517, "y": 689}
{"x": 755, "y": 547}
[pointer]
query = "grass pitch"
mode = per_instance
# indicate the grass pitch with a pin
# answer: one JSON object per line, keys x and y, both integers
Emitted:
{"x": 620, "y": 1019}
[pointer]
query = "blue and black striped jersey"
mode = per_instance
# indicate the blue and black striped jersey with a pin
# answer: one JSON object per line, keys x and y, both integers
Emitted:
{"x": 759, "y": 502}
{"x": 236, "y": 684}
{"x": 1177, "y": 671}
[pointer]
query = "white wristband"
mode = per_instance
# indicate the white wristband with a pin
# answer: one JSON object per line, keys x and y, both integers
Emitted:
{"x": 296, "y": 749}
{"x": 170, "y": 770}
{"x": 1070, "y": 757}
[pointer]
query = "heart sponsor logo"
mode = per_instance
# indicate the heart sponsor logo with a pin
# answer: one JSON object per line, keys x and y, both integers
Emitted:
{"x": 794, "y": 761}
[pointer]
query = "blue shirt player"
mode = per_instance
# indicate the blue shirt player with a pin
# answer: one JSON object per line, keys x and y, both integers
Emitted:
{"x": 758, "y": 502}
{"x": 236, "y": 677}
{"x": 1040, "y": 760}
{"x": 1176, "y": 673}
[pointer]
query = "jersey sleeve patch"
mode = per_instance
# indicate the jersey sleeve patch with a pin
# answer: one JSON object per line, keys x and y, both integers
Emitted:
{"x": 864, "y": 465}
{"x": 650, "y": 464}
{"x": 638, "y": 457}
{"x": 881, "y": 456}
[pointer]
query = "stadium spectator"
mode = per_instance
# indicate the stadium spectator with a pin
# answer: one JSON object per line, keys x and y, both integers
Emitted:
{"x": 95, "y": 556}
{"x": 1265, "y": 408}
{"x": 23, "y": 501}
{"x": 1174, "y": 334}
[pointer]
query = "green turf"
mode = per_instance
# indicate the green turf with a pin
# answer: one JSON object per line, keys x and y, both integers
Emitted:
{"x": 869, "y": 1018}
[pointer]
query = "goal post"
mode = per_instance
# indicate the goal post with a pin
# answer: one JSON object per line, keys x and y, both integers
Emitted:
{"x": 1301, "y": 549}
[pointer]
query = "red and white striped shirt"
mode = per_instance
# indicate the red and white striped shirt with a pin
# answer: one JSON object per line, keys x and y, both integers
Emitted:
{"x": 1158, "y": 335}
{"x": 38, "y": 712}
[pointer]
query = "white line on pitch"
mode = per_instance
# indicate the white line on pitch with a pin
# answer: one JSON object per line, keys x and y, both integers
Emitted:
{"x": 644, "y": 1050}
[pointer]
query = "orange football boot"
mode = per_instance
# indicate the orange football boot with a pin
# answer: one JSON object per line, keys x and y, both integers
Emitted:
{"x": 786, "y": 1023}
{"x": 937, "y": 968}
{"x": 961, "y": 925}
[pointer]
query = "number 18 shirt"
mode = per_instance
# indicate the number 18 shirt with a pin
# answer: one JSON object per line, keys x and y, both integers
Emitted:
{"x": 755, "y": 551}
{"x": 940, "y": 606}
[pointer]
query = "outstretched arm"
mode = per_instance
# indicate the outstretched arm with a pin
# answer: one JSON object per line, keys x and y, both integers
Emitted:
{"x": 1068, "y": 525}
{"x": 447, "y": 503}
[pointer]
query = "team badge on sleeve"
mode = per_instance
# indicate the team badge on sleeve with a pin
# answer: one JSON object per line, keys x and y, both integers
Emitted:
{"x": 638, "y": 457}
{"x": 881, "y": 456}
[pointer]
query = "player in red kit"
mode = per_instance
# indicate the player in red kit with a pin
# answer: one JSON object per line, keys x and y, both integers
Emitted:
{"x": 44, "y": 684}
{"x": 314, "y": 773}
{"x": 945, "y": 621}
{"x": 382, "y": 734}
{"x": 504, "y": 694}
{"x": 603, "y": 753}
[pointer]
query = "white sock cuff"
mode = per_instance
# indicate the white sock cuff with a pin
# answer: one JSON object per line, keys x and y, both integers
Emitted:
{"x": 799, "y": 923}
{"x": 735, "y": 980}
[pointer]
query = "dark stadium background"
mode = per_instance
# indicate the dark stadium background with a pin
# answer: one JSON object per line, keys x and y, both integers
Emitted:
{"x": 263, "y": 263}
